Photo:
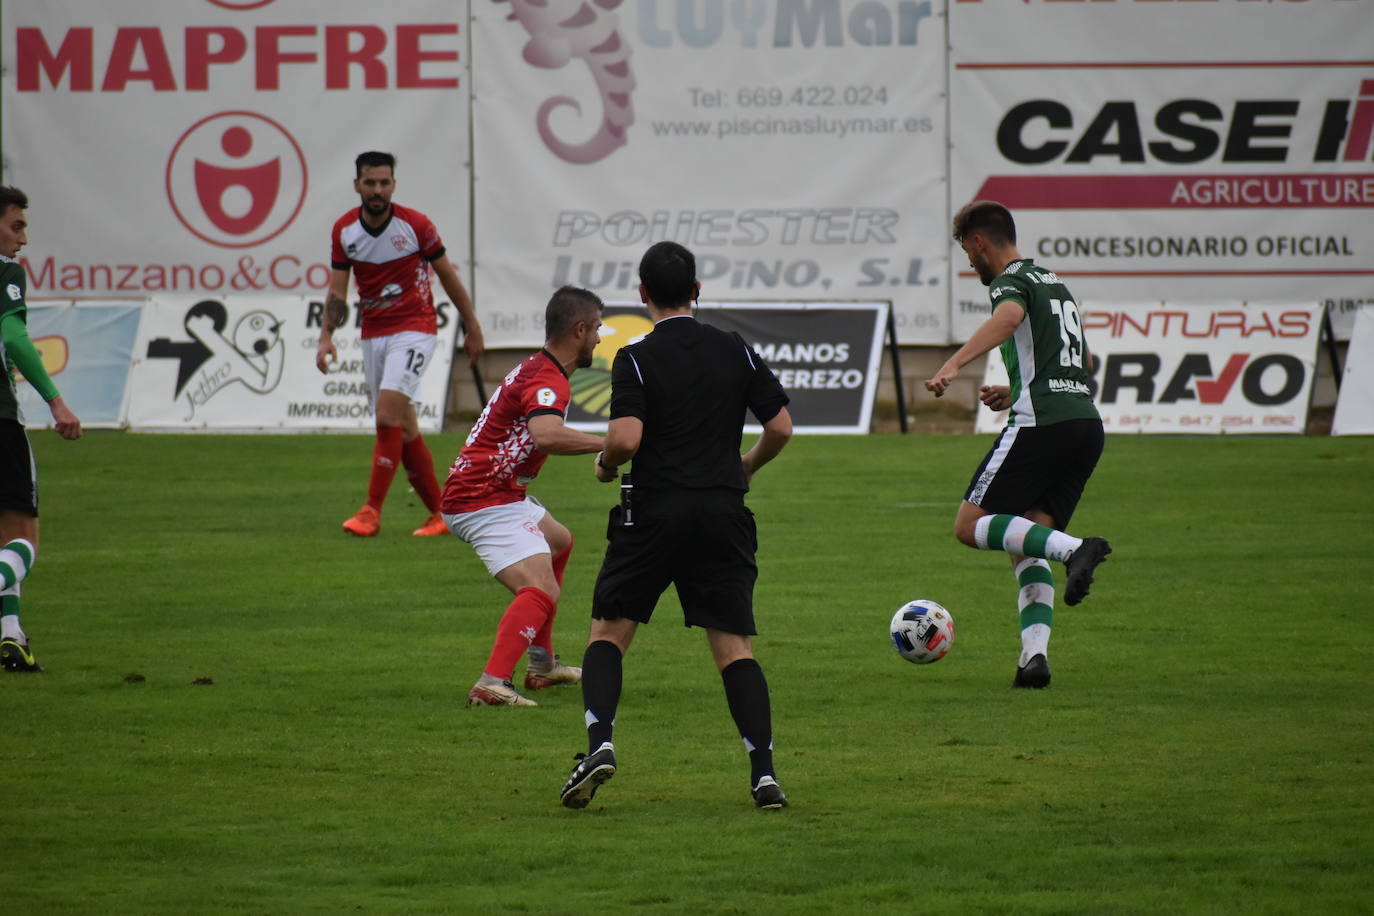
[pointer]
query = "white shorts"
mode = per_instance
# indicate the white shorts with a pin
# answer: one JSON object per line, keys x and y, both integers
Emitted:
{"x": 502, "y": 535}
{"x": 396, "y": 362}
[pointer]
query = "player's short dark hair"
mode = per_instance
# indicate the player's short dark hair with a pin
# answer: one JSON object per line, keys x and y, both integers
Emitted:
{"x": 568, "y": 306}
{"x": 669, "y": 274}
{"x": 12, "y": 197}
{"x": 373, "y": 158}
{"x": 988, "y": 217}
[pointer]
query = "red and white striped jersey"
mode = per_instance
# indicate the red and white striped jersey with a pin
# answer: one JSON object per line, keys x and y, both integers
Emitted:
{"x": 391, "y": 268}
{"x": 499, "y": 458}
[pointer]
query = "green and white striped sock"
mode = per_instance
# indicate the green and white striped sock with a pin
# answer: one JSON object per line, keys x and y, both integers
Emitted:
{"x": 16, "y": 559}
{"x": 1015, "y": 534}
{"x": 1035, "y": 601}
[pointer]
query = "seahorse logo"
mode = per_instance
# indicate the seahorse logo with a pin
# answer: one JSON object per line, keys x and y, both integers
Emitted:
{"x": 561, "y": 30}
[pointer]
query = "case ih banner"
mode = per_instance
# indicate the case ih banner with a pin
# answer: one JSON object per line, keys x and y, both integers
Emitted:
{"x": 796, "y": 146}
{"x": 205, "y": 147}
{"x": 1166, "y": 149}
{"x": 1195, "y": 368}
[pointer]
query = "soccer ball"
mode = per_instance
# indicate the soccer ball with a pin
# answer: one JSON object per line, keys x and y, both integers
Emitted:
{"x": 922, "y": 631}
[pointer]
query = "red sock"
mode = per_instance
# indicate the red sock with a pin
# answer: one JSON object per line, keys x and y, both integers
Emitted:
{"x": 522, "y": 620}
{"x": 544, "y": 639}
{"x": 420, "y": 470}
{"x": 386, "y": 455}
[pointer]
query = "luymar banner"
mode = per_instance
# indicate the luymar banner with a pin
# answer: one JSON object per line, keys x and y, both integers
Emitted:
{"x": 87, "y": 348}
{"x": 1195, "y": 367}
{"x": 826, "y": 356}
{"x": 797, "y": 147}
{"x": 248, "y": 363}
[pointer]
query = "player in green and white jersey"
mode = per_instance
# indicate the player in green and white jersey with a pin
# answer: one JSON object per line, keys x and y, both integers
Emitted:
{"x": 18, "y": 477}
{"x": 1022, "y": 496}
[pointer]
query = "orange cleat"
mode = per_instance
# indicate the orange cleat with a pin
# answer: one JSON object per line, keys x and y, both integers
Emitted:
{"x": 433, "y": 525}
{"x": 365, "y": 523}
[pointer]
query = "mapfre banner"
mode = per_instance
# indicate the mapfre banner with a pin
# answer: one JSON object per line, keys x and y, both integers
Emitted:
{"x": 1164, "y": 150}
{"x": 205, "y": 147}
{"x": 248, "y": 363}
{"x": 1194, "y": 368}
{"x": 796, "y": 146}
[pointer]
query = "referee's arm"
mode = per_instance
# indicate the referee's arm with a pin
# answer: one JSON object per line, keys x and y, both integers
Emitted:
{"x": 623, "y": 435}
{"x": 776, "y": 433}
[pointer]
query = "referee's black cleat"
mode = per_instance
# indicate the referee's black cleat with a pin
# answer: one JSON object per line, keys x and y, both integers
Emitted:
{"x": 15, "y": 656}
{"x": 591, "y": 771}
{"x": 768, "y": 794}
{"x": 1034, "y": 674}
{"x": 1081, "y": 564}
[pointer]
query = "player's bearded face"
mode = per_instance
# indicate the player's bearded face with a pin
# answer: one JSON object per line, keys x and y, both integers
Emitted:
{"x": 584, "y": 355}
{"x": 979, "y": 262}
{"x": 375, "y": 186}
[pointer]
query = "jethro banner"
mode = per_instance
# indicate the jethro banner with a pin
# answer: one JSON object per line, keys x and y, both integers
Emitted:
{"x": 1181, "y": 367}
{"x": 216, "y": 138}
{"x": 826, "y": 355}
{"x": 1177, "y": 151}
{"x": 248, "y": 363}
{"x": 796, "y": 146}
{"x": 87, "y": 348}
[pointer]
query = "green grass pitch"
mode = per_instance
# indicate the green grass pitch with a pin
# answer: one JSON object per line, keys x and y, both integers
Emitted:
{"x": 1207, "y": 745}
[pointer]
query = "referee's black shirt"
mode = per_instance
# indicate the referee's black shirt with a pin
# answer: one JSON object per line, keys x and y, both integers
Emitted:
{"x": 690, "y": 384}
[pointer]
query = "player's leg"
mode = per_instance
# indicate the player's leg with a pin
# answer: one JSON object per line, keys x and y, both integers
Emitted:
{"x": 1035, "y": 608}
{"x": 386, "y": 448}
{"x": 546, "y": 669}
{"x": 1022, "y": 466}
{"x": 415, "y": 351}
{"x": 18, "y": 542}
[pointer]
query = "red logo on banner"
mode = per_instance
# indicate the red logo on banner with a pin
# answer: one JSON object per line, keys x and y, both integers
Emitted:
{"x": 240, "y": 4}
{"x": 236, "y": 179}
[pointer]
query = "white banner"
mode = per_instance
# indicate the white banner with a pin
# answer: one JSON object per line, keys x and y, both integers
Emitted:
{"x": 796, "y": 146}
{"x": 1195, "y": 367}
{"x": 1355, "y": 404}
{"x": 248, "y": 363}
{"x": 1171, "y": 150}
{"x": 205, "y": 147}
{"x": 86, "y": 348}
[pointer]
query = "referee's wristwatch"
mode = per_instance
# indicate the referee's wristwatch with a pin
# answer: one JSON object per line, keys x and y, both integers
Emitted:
{"x": 601, "y": 464}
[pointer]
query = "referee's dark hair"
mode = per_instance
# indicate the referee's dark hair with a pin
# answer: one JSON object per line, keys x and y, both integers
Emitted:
{"x": 12, "y": 197}
{"x": 371, "y": 159}
{"x": 988, "y": 217}
{"x": 669, "y": 274}
{"x": 568, "y": 306}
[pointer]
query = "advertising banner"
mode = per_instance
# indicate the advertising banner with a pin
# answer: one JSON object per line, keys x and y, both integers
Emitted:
{"x": 1355, "y": 404}
{"x": 1183, "y": 367}
{"x": 826, "y": 356}
{"x": 248, "y": 363}
{"x": 796, "y": 146}
{"x": 87, "y": 348}
{"x": 206, "y": 147}
{"x": 1175, "y": 151}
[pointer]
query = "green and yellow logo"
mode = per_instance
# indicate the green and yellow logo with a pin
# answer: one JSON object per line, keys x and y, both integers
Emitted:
{"x": 591, "y": 387}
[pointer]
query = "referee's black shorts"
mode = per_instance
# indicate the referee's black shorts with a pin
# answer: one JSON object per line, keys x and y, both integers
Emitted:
{"x": 1038, "y": 467}
{"x": 18, "y": 474}
{"x": 702, "y": 540}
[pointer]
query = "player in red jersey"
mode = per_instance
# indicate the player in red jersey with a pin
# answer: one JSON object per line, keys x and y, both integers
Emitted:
{"x": 390, "y": 250}
{"x": 484, "y": 500}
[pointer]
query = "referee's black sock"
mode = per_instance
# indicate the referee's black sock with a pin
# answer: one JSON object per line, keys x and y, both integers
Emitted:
{"x": 601, "y": 679}
{"x": 747, "y": 693}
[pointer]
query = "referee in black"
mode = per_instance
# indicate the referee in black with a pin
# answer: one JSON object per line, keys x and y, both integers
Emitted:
{"x": 678, "y": 403}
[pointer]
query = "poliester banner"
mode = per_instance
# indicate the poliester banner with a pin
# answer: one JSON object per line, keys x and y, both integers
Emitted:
{"x": 796, "y": 146}
{"x": 1183, "y": 367}
{"x": 826, "y": 356}
{"x": 205, "y": 147}
{"x": 248, "y": 363}
{"x": 87, "y": 349}
{"x": 1175, "y": 151}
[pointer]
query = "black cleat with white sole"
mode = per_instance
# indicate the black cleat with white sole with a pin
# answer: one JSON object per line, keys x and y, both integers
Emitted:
{"x": 1034, "y": 674}
{"x": 768, "y": 794}
{"x": 591, "y": 771}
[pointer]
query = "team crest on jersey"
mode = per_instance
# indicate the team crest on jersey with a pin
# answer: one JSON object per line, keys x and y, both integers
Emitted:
{"x": 14, "y": 292}
{"x": 400, "y": 242}
{"x": 546, "y": 397}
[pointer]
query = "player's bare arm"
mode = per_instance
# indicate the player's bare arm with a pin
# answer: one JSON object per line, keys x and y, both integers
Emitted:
{"x": 473, "y": 344}
{"x": 335, "y": 314}
{"x": 996, "y": 397}
{"x": 552, "y": 436}
{"x": 1004, "y": 321}
{"x": 623, "y": 435}
{"x": 777, "y": 432}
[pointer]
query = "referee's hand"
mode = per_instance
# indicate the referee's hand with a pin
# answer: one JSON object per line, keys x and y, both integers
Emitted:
{"x": 603, "y": 473}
